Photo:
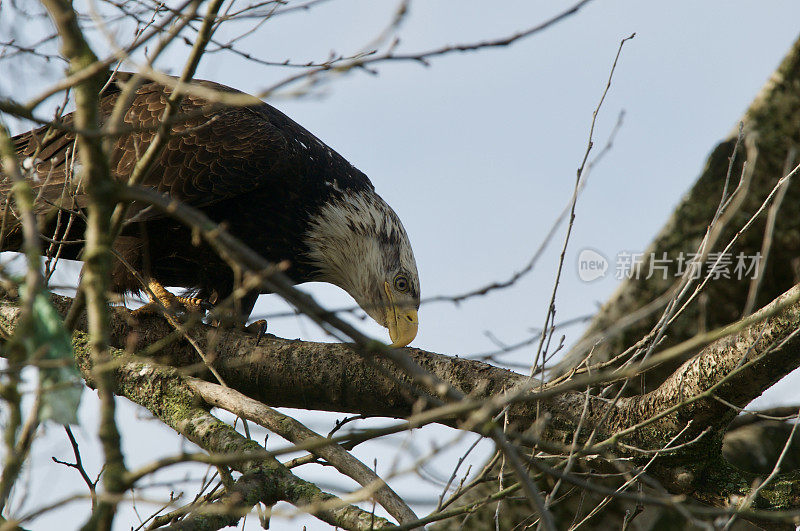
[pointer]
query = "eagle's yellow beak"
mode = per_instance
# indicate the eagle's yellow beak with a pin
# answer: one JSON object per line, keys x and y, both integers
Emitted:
{"x": 401, "y": 321}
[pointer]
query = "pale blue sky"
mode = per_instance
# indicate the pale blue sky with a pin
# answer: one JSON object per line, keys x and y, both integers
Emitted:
{"x": 477, "y": 153}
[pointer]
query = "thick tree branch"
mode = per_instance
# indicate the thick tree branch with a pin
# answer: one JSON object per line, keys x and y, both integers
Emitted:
{"x": 164, "y": 393}
{"x": 735, "y": 369}
{"x": 332, "y": 377}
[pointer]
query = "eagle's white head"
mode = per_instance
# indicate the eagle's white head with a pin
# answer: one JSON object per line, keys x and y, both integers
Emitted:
{"x": 357, "y": 242}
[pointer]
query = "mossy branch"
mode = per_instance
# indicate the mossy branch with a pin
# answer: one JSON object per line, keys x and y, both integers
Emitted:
{"x": 331, "y": 377}
{"x": 165, "y": 393}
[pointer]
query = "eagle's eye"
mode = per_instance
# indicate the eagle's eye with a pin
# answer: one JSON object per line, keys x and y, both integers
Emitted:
{"x": 401, "y": 283}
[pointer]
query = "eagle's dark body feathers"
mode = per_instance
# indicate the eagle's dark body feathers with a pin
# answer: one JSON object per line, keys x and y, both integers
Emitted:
{"x": 251, "y": 167}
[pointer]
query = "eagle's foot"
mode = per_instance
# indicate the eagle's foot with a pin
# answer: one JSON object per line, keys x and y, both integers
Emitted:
{"x": 194, "y": 304}
{"x": 258, "y": 329}
{"x": 174, "y": 307}
{"x": 162, "y": 300}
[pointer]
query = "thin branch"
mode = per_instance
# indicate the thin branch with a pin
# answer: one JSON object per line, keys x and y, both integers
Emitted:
{"x": 78, "y": 465}
{"x": 295, "y": 432}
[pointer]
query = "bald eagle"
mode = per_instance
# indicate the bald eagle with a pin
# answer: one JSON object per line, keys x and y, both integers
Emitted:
{"x": 273, "y": 184}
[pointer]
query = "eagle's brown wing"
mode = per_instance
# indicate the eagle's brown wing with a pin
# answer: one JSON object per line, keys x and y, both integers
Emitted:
{"x": 213, "y": 152}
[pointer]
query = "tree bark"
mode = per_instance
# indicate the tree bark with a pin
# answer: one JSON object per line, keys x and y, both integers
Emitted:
{"x": 773, "y": 123}
{"x": 682, "y": 421}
